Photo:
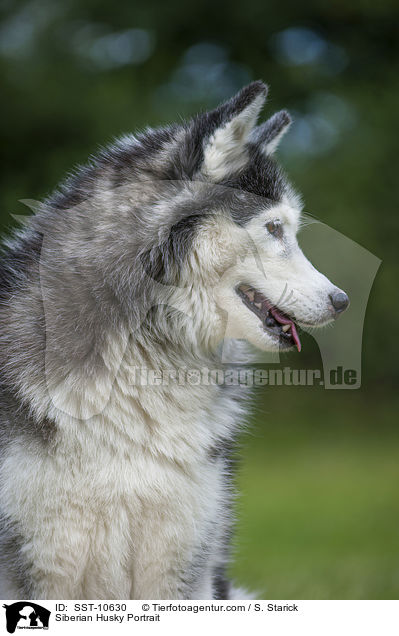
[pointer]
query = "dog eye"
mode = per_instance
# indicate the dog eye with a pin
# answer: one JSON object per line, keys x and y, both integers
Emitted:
{"x": 275, "y": 228}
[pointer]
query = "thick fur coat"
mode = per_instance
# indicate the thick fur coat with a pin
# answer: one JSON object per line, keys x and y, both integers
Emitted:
{"x": 152, "y": 257}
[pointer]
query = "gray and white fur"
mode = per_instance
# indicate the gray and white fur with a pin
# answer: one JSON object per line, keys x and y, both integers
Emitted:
{"x": 110, "y": 489}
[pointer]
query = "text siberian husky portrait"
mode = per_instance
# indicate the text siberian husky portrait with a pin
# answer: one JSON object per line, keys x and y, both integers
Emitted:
{"x": 174, "y": 248}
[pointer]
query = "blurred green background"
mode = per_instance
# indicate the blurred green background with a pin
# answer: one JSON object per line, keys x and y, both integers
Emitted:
{"x": 319, "y": 510}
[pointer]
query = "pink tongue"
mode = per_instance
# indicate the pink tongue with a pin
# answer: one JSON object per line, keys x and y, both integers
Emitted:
{"x": 284, "y": 320}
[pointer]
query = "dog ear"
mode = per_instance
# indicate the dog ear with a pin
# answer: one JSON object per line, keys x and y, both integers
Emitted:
{"x": 231, "y": 124}
{"x": 268, "y": 135}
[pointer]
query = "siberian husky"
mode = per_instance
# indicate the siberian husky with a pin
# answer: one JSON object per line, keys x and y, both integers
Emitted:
{"x": 167, "y": 249}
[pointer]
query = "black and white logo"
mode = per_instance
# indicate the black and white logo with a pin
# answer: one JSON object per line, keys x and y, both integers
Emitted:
{"x": 26, "y": 615}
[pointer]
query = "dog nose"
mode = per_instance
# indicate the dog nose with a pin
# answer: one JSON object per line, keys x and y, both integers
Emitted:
{"x": 339, "y": 301}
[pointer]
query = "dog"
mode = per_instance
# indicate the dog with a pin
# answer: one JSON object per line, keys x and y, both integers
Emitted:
{"x": 171, "y": 250}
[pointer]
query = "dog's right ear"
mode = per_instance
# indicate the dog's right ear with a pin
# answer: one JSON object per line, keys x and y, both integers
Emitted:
{"x": 226, "y": 131}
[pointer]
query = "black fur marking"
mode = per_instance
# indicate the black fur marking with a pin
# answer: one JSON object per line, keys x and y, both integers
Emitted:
{"x": 242, "y": 99}
{"x": 261, "y": 177}
{"x": 266, "y": 132}
{"x": 221, "y": 585}
{"x": 161, "y": 263}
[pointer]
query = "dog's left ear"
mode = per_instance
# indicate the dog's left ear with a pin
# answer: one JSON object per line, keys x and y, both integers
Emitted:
{"x": 268, "y": 135}
{"x": 225, "y": 148}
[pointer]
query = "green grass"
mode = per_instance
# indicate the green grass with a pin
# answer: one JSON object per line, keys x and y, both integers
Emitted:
{"x": 319, "y": 507}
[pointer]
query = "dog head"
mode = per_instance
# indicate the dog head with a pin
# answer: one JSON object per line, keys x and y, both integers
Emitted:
{"x": 233, "y": 244}
{"x": 196, "y": 216}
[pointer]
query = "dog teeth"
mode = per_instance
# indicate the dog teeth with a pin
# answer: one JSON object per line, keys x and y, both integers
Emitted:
{"x": 258, "y": 305}
{"x": 285, "y": 328}
{"x": 250, "y": 295}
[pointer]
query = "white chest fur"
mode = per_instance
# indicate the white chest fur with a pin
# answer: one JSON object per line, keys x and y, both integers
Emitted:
{"x": 123, "y": 504}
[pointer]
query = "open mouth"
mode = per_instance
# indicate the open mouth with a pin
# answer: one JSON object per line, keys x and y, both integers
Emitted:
{"x": 274, "y": 321}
